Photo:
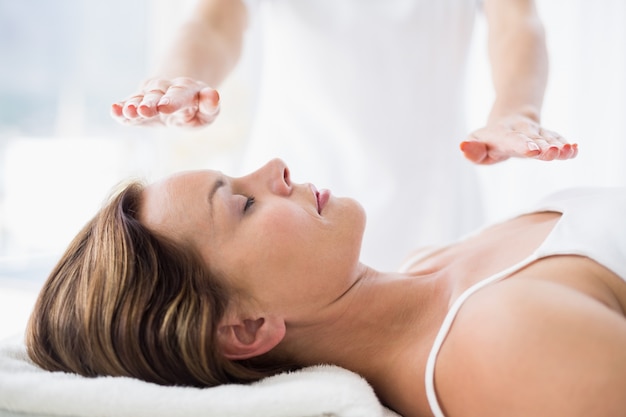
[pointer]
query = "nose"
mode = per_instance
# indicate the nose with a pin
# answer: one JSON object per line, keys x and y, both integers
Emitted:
{"x": 280, "y": 182}
{"x": 276, "y": 175}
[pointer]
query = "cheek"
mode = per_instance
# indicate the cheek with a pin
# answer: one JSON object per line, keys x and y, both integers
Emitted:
{"x": 283, "y": 234}
{"x": 287, "y": 242}
{"x": 292, "y": 236}
{"x": 295, "y": 243}
{"x": 296, "y": 260}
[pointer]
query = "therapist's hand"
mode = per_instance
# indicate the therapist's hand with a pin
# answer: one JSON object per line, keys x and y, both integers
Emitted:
{"x": 181, "y": 102}
{"x": 517, "y": 135}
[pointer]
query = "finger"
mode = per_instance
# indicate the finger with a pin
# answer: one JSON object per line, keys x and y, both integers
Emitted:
{"x": 548, "y": 152}
{"x": 554, "y": 140}
{"x": 474, "y": 150}
{"x": 483, "y": 152}
{"x": 575, "y": 147}
{"x": 185, "y": 117}
{"x": 194, "y": 110}
{"x": 180, "y": 94}
{"x": 185, "y": 114}
{"x": 148, "y": 105}
{"x": 514, "y": 144}
{"x": 566, "y": 152}
{"x": 130, "y": 107}
{"x": 532, "y": 149}
{"x": 176, "y": 98}
{"x": 116, "y": 110}
{"x": 208, "y": 105}
{"x": 573, "y": 150}
{"x": 153, "y": 89}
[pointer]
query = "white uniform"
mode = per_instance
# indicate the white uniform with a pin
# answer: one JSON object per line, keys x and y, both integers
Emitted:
{"x": 366, "y": 97}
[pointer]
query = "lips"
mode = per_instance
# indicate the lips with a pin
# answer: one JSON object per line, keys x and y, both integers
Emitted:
{"x": 321, "y": 198}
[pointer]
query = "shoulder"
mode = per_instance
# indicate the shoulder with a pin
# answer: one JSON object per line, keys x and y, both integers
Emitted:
{"x": 520, "y": 347}
{"x": 417, "y": 256}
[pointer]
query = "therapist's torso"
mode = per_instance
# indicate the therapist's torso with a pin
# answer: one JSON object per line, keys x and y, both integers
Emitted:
{"x": 366, "y": 97}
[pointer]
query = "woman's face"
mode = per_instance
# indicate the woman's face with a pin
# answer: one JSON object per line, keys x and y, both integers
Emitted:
{"x": 288, "y": 246}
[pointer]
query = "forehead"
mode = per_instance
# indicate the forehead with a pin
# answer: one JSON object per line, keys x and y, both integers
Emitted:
{"x": 166, "y": 203}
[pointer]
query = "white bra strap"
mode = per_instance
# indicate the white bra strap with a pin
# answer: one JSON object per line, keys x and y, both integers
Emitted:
{"x": 447, "y": 323}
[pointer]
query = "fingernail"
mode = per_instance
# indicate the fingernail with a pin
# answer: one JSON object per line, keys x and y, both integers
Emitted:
{"x": 533, "y": 146}
{"x": 164, "y": 101}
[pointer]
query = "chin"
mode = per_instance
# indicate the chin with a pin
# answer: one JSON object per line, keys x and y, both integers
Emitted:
{"x": 353, "y": 220}
{"x": 360, "y": 214}
{"x": 360, "y": 220}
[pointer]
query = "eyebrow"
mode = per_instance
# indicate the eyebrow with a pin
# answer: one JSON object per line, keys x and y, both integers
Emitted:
{"x": 220, "y": 182}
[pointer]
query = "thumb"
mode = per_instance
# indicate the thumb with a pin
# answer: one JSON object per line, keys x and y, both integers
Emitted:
{"x": 474, "y": 150}
{"x": 209, "y": 101}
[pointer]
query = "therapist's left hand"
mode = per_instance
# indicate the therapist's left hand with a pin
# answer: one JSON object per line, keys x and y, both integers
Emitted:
{"x": 518, "y": 135}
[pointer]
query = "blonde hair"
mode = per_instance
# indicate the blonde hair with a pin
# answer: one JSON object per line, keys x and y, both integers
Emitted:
{"x": 123, "y": 301}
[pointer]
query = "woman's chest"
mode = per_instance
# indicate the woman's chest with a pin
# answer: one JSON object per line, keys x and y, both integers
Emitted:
{"x": 507, "y": 251}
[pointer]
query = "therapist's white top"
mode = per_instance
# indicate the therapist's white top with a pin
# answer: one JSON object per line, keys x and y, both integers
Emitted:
{"x": 592, "y": 224}
{"x": 366, "y": 98}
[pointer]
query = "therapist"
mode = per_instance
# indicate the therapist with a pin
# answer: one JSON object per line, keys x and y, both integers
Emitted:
{"x": 364, "y": 92}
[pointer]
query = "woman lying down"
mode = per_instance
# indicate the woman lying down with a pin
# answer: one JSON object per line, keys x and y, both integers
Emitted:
{"x": 202, "y": 279}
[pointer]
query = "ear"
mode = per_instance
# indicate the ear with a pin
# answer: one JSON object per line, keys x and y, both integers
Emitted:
{"x": 247, "y": 338}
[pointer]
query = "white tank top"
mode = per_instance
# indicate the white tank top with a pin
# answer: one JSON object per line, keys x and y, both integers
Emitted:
{"x": 367, "y": 97}
{"x": 592, "y": 224}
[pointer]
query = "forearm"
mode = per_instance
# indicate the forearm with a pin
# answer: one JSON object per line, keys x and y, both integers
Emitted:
{"x": 519, "y": 66}
{"x": 208, "y": 46}
{"x": 518, "y": 56}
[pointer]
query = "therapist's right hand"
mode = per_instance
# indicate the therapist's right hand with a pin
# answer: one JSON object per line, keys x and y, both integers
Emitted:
{"x": 180, "y": 102}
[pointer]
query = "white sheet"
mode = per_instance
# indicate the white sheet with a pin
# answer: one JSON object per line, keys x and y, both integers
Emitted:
{"x": 323, "y": 390}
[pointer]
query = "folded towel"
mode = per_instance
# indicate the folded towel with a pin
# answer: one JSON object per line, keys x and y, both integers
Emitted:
{"x": 322, "y": 390}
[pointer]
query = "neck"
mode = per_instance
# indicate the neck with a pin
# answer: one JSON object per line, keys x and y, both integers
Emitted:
{"x": 372, "y": 327}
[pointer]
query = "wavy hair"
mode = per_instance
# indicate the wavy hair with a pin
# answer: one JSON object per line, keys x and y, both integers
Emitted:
{"x": 123, "y": 301}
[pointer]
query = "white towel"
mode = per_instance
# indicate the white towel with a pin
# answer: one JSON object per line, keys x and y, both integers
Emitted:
{"x": 323, "y": 390}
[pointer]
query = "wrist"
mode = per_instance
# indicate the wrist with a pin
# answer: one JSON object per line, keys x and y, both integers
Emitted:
{"x": 528, "y": 110}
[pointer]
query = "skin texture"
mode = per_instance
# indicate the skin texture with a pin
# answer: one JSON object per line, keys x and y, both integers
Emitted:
{"x": 181, "y": 92}
{"x": 519, "y": 66}
{"x": 555, "y": 329}
{"x": 260, "y": 242}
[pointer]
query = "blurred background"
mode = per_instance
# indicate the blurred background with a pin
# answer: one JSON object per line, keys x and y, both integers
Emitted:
{"x": 63, "y": 63}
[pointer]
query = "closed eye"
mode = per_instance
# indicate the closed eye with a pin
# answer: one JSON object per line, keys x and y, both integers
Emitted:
{"x": 249, "y": 203}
